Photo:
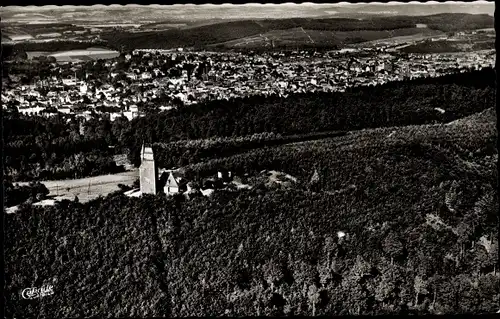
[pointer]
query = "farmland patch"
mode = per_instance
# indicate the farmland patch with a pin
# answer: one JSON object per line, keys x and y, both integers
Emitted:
{"x": 87, "y": 54}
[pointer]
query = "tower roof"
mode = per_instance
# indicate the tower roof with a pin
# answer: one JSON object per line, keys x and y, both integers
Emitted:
{"x": 147, "y": 153}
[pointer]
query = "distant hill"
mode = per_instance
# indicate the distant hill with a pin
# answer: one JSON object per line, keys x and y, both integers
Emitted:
{"x": 330, "y": 33}
{"x": 302, "y": 37}
{"x": 39, "y": 28}
{"x": 457, "y": 21}
{"x": 229, "y": 31}
{"x": 18, "y": 50}
{"x": 445, "y": 46}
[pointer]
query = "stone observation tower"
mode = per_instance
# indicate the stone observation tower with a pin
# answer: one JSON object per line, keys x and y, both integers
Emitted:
{"x": 148, "y": 172}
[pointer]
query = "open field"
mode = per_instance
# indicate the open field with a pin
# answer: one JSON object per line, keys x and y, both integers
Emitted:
{"x": 356, "y": 38}
{"x": 89, "y": 188}
{"x": 228, "y": 34}
{"x": 277, "y": 37}
{"x": 17, "y": 36}
{"x": 399, "y": 39}
{"x": 253, "y": 33}
{"x": 40, "y": 29}
{"x": 90, "y": 53}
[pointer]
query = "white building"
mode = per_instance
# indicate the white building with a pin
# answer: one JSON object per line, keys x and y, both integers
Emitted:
{"x": 31, "y": 110}
{"x": 146, "y": 75}
{"x": 83, "y": 88}
{"x": 69, "y": 81}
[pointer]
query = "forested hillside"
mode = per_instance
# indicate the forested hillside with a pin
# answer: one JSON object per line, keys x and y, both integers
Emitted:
{"x": 38, "y": 147}
{"x": 226, "y": 31}
{"x": 202, "y": 36}
{"x": 444, "y": 141}
{"x": 368, "y": 107}
{"x": 417, "y": 206}
{"x": 14, "y": 194}
{"x": 336, "y": 33}
{"x": 19, "y": 50}
{"x": 444, "y": 46}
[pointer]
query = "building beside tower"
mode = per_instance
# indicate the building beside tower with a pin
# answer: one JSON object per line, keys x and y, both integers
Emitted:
{"x": 152, "y": 181}
{"x": 170, "y": 182}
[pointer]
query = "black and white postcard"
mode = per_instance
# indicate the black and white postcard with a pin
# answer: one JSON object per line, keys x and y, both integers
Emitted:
{"x": 249, "y": 160}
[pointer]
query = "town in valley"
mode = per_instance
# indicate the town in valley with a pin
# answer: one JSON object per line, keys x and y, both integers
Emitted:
{"x": 250, "y": 160}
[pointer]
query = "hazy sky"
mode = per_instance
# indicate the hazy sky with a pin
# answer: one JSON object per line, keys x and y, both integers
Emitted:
{"x": 230, "y": 11}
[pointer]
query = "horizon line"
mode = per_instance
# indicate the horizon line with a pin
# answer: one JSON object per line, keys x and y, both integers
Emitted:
{"x": 250, "y": 4}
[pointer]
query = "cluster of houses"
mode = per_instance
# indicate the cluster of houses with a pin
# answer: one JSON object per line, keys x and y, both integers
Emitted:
{"x": 223, "y": 75}
{"x": 237, "y": 74}
{"x": 68, "y": 95}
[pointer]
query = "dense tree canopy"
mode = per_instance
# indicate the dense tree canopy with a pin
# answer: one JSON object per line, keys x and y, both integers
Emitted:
{"x": 201, "y": 36}
{"x": 389, "y": 105}
{"x": 15, "y": 194}
{"x": 419, "y": 214}
{"x": 37, "y": 147}
{"x": 414, "y": 200}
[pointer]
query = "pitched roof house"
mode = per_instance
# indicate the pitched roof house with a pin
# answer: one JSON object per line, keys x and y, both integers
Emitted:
{"x": 174, "y": 183}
